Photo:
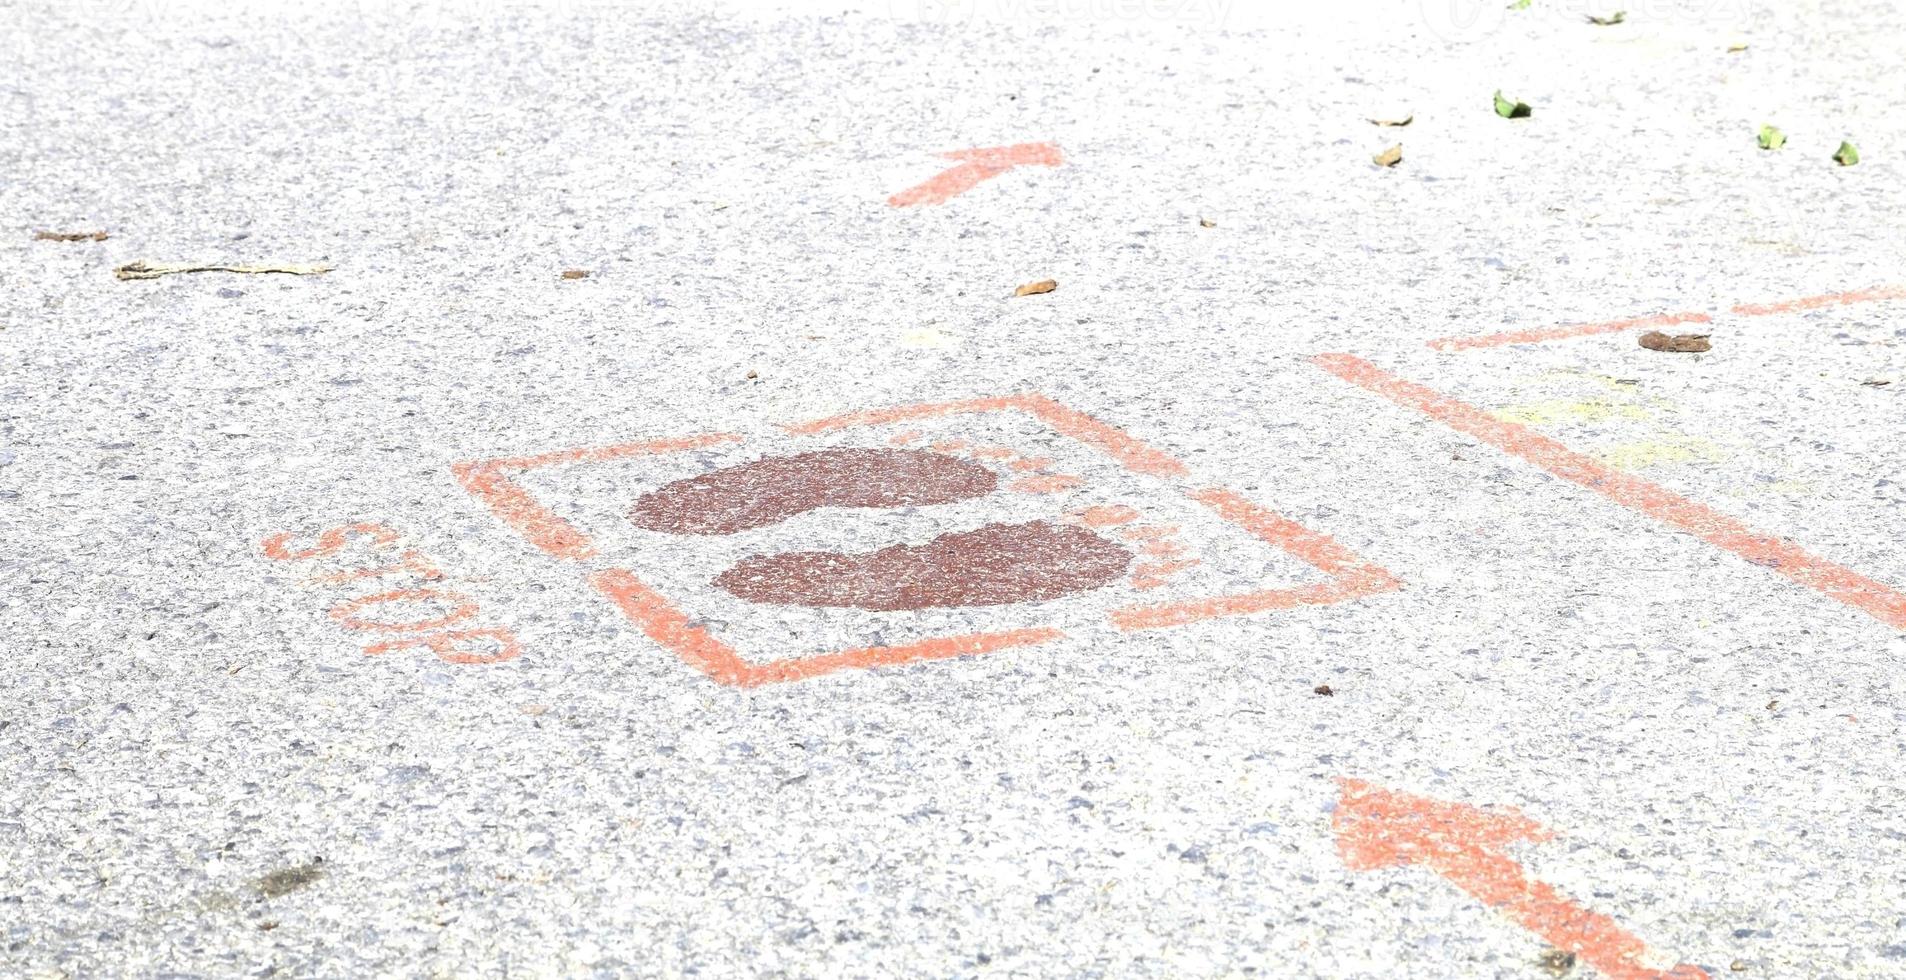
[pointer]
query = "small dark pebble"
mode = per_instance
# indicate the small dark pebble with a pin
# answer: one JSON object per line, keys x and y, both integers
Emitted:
{"x": 1557, "y": 961}
{"x": 284, "y": 881}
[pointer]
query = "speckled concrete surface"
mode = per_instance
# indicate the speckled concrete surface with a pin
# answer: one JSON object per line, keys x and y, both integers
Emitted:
{"x": 203, "y": 774}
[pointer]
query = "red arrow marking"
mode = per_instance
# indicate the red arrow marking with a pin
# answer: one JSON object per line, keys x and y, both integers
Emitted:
{"x": 976, "y": 166}
{"x": 1379, "y": 828}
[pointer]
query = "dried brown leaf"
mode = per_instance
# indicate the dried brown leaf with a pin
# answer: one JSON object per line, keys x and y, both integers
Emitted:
{"x": 1405, "y": 121}
{"x": 1035, "y": 288}
{"x": 1682, "y": 343}
{"x": 575, "y": 273}
{"x": 70, "y": 236}
{"x": 1390, "y": 157}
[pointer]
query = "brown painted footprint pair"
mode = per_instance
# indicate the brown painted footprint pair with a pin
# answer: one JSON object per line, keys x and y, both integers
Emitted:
{"x": 991, "y": 565}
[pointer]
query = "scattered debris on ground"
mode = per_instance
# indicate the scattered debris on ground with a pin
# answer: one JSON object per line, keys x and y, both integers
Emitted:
{"x": 1512, "y": 109}
{"x": 575, "y": 273}
{"x": 1207, "y": 223}
{"x": 1035, "y": 288}
{"x": 1771, "y": 138}
{"x": 284, "y": 881}
{"x": 1681, "y": 343}
{"x": 1557, "y": 962}
{"x": 1877, "y": 383}
{"x": 1405, "y": 121}
{"x": 1618, "y": 17}
{"x": 1847, "y": 155}
{"x": 1390, "y": 157}
{"x": 70, "y": 236}
{"x": 1736, "y": 48}
{"x": 1323, "y": 689}
{"x": 153, "y": 270}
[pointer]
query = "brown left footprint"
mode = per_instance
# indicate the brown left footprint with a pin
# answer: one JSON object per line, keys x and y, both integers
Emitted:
{"x": 994, "y": 565}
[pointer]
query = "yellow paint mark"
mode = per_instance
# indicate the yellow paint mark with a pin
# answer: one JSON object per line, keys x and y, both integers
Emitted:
{"x": 1562, "y": 410}
{"x": 926, "y": 338}
{"x": 1660, "y": 452}
{"x": 1773, "y": 488}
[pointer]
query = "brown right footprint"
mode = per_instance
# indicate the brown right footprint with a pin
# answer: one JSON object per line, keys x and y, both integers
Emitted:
{"x": 993, "y": 565}
{"x": 769, "y": 491}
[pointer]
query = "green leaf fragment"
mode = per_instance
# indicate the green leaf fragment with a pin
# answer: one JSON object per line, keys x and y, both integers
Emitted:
{"x": 1520, "y": 5}
{"x": 1847, "y": 155}
{"x": 1512, "y": 110}
{"x": 1771, "y": 138}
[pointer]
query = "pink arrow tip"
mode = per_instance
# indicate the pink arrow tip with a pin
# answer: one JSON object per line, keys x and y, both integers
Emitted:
{"x": 976, "y": 166}
{"x": 1378, "y": 828}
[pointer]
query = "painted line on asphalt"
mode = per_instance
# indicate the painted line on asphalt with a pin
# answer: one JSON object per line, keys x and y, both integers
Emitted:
{"x": 1569, "y": 332}
{"x": 464, "y": 645}
{"x": 664, "y": 619}
{"x": 1380, "y": 828}
{"x": 976, "y": 167}
{"x": 1876, "y": 599}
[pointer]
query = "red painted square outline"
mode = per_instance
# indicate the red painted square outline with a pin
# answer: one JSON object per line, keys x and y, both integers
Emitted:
{"x": 492, "y": 483}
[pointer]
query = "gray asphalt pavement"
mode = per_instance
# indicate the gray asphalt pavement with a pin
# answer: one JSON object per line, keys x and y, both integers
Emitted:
{"x": 639, "y": 530}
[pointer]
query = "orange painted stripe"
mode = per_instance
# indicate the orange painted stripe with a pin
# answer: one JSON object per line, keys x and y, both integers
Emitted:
{"x": 1539, "y": 335}
{"x": 937, "y": 648}
{"x": 489, "y": 481}
{"x": 1055, "y": 483}
{"x": 515, "y": 506}
{"x": 347, "y": 612}
{"x": 667, "y": 625}
{"x": 1352, "y": 577}
{"x": 1882, "y": 602}
{"x": 1317, "y": 550}
{"x": 1107, "y": 515}
{"x": 901, "y": 413}
{"x": 976, "y": 166}
{"x": 278, "y": 546}
{"x": 1131, "y": 453}
{"x": 603, "y": 454}
{"x": 444, "y": 645}
{"x": 1151, "y": 575}
{"x": 413, "y": 561}
{"x": 1244, "y": 604}
{"x": 1379, "y": 828}
{"x": 1828, "y": 299}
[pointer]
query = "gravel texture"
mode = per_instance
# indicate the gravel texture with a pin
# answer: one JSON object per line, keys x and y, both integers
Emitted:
{"x": 203, "y": 774}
